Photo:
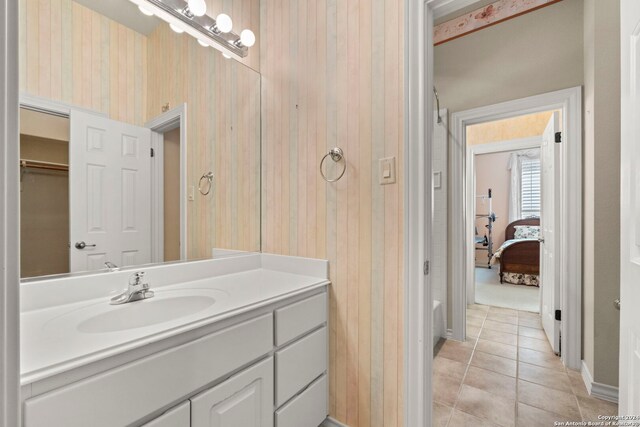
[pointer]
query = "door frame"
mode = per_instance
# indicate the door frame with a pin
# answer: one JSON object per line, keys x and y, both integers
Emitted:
{"x": 9, "y": 217}
{"x": 418, "y": 305}
{"x": 169, "y": 120}
{"x": 570, "y": 227}
{"x": 472, "y": 151}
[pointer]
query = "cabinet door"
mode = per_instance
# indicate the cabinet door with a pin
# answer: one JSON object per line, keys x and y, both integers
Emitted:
{"x": 245, "y": 399}
{"x": 177, "y": 417}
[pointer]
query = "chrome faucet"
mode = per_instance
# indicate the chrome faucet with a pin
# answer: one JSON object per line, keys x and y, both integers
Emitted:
{"x": 111, "y": 266}
{"x": 136, "y": 291}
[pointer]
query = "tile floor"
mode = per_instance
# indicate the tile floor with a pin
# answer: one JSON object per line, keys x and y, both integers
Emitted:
{"x": 506, "y": 375}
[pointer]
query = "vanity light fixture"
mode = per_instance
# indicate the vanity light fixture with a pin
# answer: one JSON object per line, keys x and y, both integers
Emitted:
{"x": 175, "y": 28}
{"x": 197, "y": 7}
{"x": 189, "y": 16}
{"x": 247, "y": 38}
{"x": 145, "y": 11}
{"x": 224, "y": 24}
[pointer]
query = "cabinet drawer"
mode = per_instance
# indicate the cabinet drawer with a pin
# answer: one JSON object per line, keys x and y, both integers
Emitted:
{"x": 308, "y": 409}
{"x": 246, "y": 400}
{"x": 176, "y": 417}
{"x": 124, "y": 395}
{"x": 294, "y": 320}
{"x": 300, "y": 363}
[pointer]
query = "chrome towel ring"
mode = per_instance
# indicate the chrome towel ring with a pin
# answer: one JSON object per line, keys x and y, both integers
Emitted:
{"x": 336, "y": 155}
{"x": 207, "y": 186}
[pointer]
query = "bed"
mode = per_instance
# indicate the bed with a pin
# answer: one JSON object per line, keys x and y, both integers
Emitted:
{"x": 519, "y": 258}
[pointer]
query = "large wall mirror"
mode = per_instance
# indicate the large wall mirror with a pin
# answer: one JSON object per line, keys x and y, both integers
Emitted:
{"x": 138, "y": 145}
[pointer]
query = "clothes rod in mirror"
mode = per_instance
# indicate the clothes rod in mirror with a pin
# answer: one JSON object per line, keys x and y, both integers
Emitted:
{"x": 193, "y": 21}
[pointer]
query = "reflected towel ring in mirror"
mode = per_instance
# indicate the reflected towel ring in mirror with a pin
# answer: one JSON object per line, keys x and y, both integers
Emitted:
{"x": 204, "y": 190}
{"x": 336, "y": 155}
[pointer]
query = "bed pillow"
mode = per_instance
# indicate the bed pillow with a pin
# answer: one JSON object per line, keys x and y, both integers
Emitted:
{"x": 527, "y": 232}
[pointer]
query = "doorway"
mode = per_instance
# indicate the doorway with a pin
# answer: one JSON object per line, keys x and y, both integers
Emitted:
{"x": 562, "y": 301}
{"x": 506, "y": 166}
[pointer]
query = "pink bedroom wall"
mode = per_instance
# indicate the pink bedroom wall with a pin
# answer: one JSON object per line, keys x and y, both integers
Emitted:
{"x": 491, "y": 172}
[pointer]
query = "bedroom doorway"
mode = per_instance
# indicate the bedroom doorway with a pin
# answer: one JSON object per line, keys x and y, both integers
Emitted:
{"x": 506, "y": 166}
{"x": 559, "y": 245}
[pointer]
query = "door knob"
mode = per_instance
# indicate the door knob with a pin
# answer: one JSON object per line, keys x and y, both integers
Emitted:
{"x": 616, "y": 303}
{"x": 82, "y": 245}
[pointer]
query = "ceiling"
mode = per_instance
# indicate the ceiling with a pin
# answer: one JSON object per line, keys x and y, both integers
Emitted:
{"x": 123, "y": 12}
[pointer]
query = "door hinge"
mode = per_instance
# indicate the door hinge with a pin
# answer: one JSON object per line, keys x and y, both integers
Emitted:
{"x": 558, "y": 315}
{"x": 425, "y": 268}
{"x": 558, "y": 137}
{"x": 153, "y": 153}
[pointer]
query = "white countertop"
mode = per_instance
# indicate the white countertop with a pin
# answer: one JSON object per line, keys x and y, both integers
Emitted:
{"x": 51, "y": 342}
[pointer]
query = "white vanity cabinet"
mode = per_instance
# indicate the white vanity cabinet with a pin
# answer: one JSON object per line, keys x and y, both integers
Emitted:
{"x": 179, "y": 416}
{"x": 266, "y": 369}
{"x": 245, "y": 399}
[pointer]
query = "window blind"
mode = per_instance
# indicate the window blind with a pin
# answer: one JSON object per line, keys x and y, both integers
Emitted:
{"x": 530, "y": 188}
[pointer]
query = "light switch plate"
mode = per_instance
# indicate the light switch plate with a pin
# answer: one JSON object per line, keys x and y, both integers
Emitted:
{"x": 387, "y": 170}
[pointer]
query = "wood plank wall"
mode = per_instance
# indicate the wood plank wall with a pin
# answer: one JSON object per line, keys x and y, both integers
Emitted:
{"x": 223, "y": 134}
{"x": 70, "y": 53}
{"x": 333, "y": 75}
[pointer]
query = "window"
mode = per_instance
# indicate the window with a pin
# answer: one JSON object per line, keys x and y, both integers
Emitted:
{"x": 530, "y": 188}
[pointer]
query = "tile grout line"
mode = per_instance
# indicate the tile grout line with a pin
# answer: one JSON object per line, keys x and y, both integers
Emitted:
{"x": 466, "y": 370}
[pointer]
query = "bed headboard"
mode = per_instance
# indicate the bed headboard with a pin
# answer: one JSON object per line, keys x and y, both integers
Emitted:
{"x": 511, "y": 228}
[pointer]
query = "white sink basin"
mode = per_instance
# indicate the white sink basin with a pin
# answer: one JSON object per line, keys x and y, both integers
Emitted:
{"x": 145, "y": 313}
{"x": 165, "y": 306}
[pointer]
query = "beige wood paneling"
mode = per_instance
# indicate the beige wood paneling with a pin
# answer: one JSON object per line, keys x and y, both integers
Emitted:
{"x": 223, "y": 136}
{"x": 70, "y": 53}
{"x": 332, "y": 75}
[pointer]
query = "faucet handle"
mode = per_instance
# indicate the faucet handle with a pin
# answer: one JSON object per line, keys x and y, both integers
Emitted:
{"x": 136, "y": 278}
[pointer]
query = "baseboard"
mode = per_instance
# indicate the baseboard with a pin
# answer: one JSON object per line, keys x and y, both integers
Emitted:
{"x": 599, "y": 390}
{"x": 330, "y": 422}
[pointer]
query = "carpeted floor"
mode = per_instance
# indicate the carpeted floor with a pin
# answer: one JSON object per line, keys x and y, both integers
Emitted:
{"x": 489, "y": 291}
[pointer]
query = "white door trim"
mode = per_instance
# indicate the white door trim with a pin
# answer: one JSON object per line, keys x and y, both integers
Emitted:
{"x": 55, "y": 107}
{"x": 472, "y": 150}
{"x": 9, "y": 218}
{"x": 176, "y": 117}
{"x": 418, "y": 323}
{"x": 570, "y": 227}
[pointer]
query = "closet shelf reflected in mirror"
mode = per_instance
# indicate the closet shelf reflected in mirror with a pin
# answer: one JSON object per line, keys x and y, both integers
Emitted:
{"x": 36, "y": 164}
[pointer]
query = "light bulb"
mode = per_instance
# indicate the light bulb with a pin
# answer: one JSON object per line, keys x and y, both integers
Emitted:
{"x": 224, "y": 23}
{"x": 175, "y": 28}
{"x": 197, "y": 7}
{"x": 145, "y": 11}
{"x": 226, "y": 56}
{"x": 203, "y": 43}
{"x": 247, "y": 38}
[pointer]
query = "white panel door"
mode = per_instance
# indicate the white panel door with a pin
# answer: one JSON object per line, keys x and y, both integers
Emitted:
{"x": 550, "y": 295}
{"x": 629, "y": 399}
{"x": 246, "y": 400}
{"x": 109, "y": 193}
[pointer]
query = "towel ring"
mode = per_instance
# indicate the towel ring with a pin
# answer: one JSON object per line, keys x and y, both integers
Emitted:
{"x": 209, "y": 178}
{"x": 336, "y": 155}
